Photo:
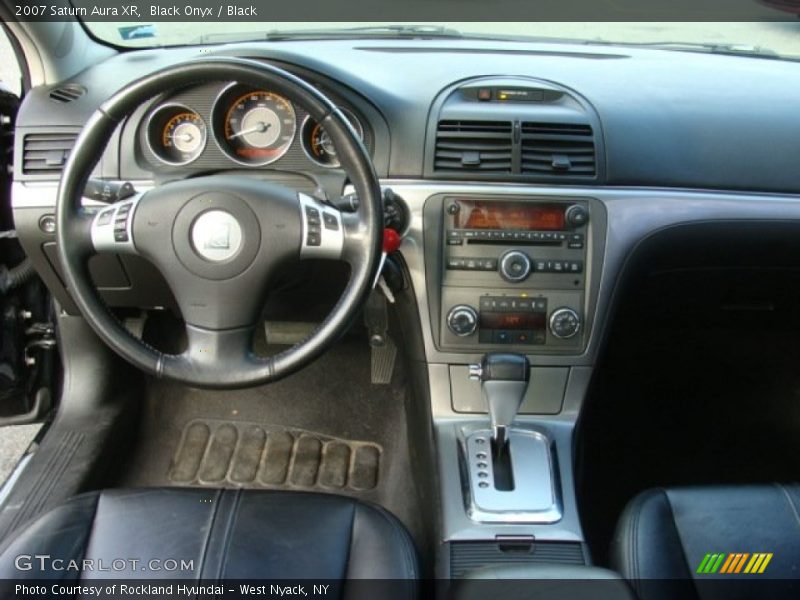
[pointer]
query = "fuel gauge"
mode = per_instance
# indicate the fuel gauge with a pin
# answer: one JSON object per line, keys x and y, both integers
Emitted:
{"x": 317, "y": 143}
{"x": 176, "y": 134}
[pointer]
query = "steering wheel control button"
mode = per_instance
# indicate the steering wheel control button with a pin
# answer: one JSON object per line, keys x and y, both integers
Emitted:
{"x": 217, "y": 235}
{"x": 105, "y": 217}
{"x": 312, "y": 214}
{"x": 515, "y": 266}
{"x": 313, "y": 227}
{"x": 111, "y": 228}
{"x": 323, "y": 236}
{"x": 565, "y": 323}
{"x": 331, "y": 222}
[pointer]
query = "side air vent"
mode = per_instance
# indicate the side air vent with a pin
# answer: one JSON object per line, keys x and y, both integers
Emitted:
{"x": 67, "y": 93}
{"x": 484, "y": 146}
{"x": 45, "y": 153}
{"x": 558, "y": 149}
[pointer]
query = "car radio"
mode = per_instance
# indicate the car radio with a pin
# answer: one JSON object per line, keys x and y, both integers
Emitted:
{"x": 514, "y": 272}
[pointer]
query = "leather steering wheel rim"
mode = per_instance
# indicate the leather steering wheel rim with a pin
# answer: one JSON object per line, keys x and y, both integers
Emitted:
{"x": 223, "y": 365}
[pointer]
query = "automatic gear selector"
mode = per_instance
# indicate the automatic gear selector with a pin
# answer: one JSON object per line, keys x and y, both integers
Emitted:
{"x": 510, "y": 466}
{"x": 504, "y": 379}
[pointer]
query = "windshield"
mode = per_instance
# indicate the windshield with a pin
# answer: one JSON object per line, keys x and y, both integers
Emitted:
{"x": 781, "y": 38}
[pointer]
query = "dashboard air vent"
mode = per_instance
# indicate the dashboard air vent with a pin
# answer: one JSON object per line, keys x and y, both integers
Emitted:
{"x": 558, "y": 149}
{"x": 45, "y": 153}
{"x": 484, "y": 146}
{"x": 67, "y": 93}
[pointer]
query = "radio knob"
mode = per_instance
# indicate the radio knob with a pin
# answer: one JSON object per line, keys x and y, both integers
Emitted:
{"x": 577, "y": 216}
{"x": 515, "y": 266}
{"x": 462, "y": 320}
{"x": 565, "y": 323}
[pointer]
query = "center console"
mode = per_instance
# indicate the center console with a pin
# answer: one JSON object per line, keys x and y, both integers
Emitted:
{"x": 514, "y": 273}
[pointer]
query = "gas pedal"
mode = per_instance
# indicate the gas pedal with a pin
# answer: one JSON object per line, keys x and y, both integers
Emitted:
{"x": 383, "y": 358}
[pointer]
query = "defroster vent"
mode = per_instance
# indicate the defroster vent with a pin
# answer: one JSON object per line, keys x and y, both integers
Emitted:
{"x": 67, "y": 93}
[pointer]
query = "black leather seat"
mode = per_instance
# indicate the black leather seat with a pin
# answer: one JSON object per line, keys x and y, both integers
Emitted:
{"x": 664, "y": 535}
{"x": 231, "y": 534}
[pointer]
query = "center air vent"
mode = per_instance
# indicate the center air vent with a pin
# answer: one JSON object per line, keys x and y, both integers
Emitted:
{"x": 45, "y": 153}
{"x": 67, "y": 93}
{"x": 557, "y": 149}
{"x": 484, "y": 146}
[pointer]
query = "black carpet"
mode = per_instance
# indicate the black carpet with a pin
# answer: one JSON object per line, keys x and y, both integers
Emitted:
{"x": 331, "y": 430}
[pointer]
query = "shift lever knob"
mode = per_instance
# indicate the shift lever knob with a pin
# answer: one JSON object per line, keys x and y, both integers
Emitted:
{"x": 504, "y": 380}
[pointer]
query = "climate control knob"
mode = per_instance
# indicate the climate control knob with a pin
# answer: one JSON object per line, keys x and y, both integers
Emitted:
{"x": 565, "y": 323}
{"x": 462, "y": 320}
{"x": 515, "y": 266}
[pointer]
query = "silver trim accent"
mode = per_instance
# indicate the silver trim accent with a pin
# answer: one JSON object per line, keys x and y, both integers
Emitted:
{"x": 103, "y": 235}
{"x": 536, "y": 495}
{"x": 564, "y": 309}
{"x": 43, "y": 194}
{"x": 504, "y": 273}
{"x": 352, "y": 119}
{"x": 475, "y": 372}
{"x": 466, "y": 309}
{"x": 219, "y": 138}
{"x": 331, "y": 240}
{"x": 160, "y": 158}
{"x": 8, "y": 485}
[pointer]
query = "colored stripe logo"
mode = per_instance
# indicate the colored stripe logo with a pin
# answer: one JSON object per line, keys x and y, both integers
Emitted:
{"x": 734, "y": 563}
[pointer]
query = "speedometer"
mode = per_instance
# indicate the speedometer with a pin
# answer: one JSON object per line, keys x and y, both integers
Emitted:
{"x": 254, "y": 127}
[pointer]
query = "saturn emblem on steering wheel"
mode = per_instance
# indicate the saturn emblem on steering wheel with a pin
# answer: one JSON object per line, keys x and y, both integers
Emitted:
{"x": 216, "y": 235}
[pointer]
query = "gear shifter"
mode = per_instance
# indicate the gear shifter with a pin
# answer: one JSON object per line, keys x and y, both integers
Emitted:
{"x": 504, "y": 380}
{"x": 517, "y": 484}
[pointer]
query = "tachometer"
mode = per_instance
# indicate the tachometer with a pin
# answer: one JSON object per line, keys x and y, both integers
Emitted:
{"x": 176, "y": 134}
{"x": 254, "y": 127}
{"x": 317, "y": 143}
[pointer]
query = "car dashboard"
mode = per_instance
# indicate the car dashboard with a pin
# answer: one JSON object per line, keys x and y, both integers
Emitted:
{"x": 519, "y": 166}
{"x": 529, "y": 176}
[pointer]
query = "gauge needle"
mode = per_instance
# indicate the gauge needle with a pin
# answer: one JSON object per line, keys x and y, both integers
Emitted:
{"x": 261, "y": 127}
{"x": 186, "y": 137}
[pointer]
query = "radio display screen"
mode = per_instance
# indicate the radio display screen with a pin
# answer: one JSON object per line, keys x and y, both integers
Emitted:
{"x": 482, "y": 214}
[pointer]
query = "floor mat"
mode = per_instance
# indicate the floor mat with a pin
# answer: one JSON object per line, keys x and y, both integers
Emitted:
{"x": 217, "y": 452}
{"x": 324, "y": 417}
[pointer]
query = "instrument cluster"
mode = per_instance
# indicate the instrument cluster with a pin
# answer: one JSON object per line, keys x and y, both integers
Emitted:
{"x": 251, "y": 127}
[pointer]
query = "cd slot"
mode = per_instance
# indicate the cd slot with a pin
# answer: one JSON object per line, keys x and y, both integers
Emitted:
{"x": 515, "y": 242}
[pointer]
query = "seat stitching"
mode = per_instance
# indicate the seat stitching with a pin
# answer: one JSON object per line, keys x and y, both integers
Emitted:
{"x": 91, "y": 531}
{"x": 204, "y": 552}
{"x": 354, "y": 507}
{"x": 683, "y": 552}
{"x": 229, "y": 532}
{"x": 404, "y": 540}
{"x": 634, "y": 564}
{"x": 790, "y": 501}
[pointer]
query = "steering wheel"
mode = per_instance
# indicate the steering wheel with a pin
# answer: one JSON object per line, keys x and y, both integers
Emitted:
{"x": 218, "y": 240}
